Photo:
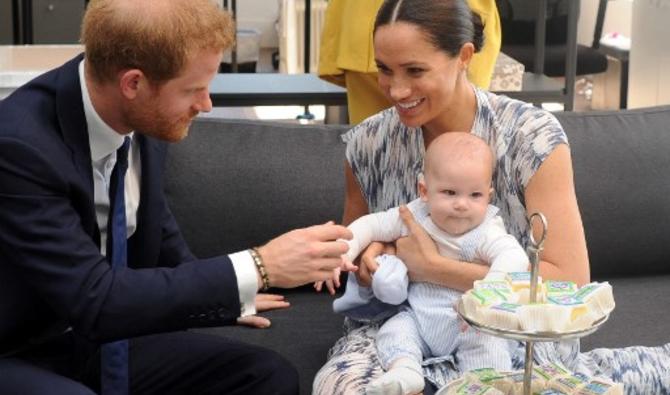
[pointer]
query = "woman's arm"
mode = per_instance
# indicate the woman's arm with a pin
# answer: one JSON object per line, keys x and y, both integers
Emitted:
{"x": 550, "y": 191}
{"x": 355, "y": 205}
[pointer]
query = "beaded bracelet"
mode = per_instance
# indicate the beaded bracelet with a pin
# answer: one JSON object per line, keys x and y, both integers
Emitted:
{"x": 258, "y": 261}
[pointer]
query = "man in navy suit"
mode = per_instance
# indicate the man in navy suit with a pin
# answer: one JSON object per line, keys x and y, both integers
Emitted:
{"x": 145, "y": 75}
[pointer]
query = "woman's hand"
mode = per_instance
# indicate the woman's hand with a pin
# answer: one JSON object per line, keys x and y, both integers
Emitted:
{"x": 264, "y": 302}
{"x": 367, "y": 264}
{"x": 416, "y": 250}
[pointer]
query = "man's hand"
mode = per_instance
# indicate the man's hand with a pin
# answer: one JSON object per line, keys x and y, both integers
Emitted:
{"x": 305, "y": 255}
{"x": 264, "y": 302}
{"x": 417, "y": 249}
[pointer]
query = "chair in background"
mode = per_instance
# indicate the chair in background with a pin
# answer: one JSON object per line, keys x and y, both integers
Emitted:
{"x": 551, "y": 47}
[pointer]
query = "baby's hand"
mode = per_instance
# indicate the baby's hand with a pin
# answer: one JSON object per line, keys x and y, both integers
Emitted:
{"x": 347, "y": 265}
{"x": 334, "y": 282}
{"x": 331, "y": 284}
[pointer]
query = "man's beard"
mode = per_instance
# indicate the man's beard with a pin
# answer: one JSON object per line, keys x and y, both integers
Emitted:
{"x": 151, "y": 122}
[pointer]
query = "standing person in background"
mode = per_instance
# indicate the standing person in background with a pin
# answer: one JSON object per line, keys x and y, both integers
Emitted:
{"x": 346, "y": 54}
{"x": 422, "y": 49}
{"x": 97, "y": 285}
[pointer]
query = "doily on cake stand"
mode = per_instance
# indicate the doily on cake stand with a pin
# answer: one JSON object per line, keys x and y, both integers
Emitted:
{"x": 529, "y": 337}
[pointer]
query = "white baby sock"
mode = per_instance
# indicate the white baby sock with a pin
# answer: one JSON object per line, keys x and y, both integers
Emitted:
{"x": 353, "y": 297}
{"x": 390, "y": 281}
{"x": 404, "y": 378}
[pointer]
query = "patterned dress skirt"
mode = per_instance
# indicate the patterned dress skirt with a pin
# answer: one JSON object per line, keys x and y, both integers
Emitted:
{"x": 353, "y": 364}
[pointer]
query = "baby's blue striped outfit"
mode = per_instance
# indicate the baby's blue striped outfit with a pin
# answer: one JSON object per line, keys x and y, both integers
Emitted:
{"x": 428, "y": 326}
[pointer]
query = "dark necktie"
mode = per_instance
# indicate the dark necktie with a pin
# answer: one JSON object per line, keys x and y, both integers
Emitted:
{"x": 114, "y": 378}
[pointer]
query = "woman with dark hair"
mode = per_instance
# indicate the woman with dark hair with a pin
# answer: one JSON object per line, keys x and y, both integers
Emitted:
{"x": 422, "y": 50}
{"x": 346, "y": 55}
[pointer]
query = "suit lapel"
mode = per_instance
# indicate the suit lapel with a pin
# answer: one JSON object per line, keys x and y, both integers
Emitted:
{"x": 72, "y": 121}
{"x": 70, "y": 111}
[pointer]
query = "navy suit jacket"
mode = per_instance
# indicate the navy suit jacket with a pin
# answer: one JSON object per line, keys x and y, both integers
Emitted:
{"x": 52, "y": 275}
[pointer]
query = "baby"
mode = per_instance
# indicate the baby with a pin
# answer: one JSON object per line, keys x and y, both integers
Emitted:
{"x": 453, "y": 208}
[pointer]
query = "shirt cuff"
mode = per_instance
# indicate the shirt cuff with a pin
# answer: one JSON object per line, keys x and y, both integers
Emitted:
{"x": 247, "y": 281}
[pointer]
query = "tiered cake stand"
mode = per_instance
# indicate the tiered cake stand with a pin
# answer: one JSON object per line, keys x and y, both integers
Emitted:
{"x": 530, "y": 337}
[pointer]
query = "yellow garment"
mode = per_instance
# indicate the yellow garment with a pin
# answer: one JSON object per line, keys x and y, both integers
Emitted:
{"x": 346, "y": 53}
{"x": 346, "y": 38}
{"x": 364, "y": 98}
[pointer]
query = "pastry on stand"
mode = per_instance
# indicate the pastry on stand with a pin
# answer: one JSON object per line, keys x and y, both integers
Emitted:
{"x": 519, "y": 306}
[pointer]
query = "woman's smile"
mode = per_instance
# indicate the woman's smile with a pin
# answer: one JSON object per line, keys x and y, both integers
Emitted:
{"x": 409, "y": 107}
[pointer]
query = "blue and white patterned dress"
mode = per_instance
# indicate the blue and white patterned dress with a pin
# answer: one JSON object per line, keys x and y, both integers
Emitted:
{"x": 386, "y": 157}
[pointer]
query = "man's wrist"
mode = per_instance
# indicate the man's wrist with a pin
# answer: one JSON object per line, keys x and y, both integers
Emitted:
{"x": 247, "y": 281}
{"x": 262, "y": 274}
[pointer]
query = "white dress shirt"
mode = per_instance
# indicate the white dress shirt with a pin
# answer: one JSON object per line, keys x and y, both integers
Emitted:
{"x": 104, "y": 142}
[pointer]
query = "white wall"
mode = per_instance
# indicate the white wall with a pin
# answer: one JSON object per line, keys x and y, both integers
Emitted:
{"x": 261, "y": 15}
{"x": 617, "y": 19}
{"x": 649, "y": 80}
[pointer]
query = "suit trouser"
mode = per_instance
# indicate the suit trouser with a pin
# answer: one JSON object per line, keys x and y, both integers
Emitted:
{"x": 170, "y": 363}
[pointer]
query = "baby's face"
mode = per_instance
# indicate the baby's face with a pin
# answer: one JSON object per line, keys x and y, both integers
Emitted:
{"x": 457, "y": 194}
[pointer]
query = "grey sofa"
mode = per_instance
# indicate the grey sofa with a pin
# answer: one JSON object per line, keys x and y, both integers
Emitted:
{"x": 233, "y": 184}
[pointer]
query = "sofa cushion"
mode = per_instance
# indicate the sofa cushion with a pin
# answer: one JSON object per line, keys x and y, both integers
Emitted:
{"x": 303, "y": 334}
{"x": 234, "y": 184}
{"x": 285, "y": 176}
{"x": 640, "y": 317}
{"x": 621, "y": 164}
